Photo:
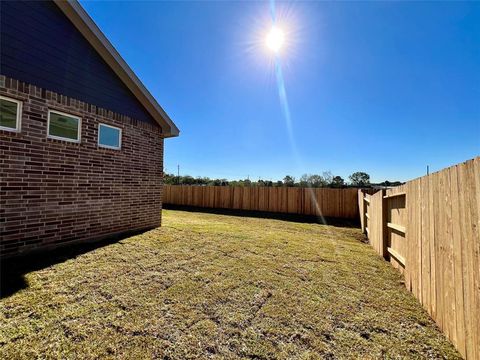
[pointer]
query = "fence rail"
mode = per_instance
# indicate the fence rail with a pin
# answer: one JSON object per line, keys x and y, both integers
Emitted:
{"x": 429, "y": 229}
{"x": 340, "y": 203}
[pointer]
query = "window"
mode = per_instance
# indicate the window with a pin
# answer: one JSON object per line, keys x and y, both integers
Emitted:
{"x": 63, "y": 126}
{"x": 109, "y": 136}
{"x": 10, "y": 114}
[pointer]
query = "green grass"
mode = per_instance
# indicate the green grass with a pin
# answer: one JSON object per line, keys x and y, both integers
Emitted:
{"x": 217, "y": 286}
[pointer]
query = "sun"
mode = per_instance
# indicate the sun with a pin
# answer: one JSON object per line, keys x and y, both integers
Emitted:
{"x": 275, "y": 39}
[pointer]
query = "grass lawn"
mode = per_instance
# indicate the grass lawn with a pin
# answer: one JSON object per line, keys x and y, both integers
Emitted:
{"x": 218, "y": 286}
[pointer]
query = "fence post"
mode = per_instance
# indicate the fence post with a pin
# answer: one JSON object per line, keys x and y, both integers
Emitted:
{"x": 384, "y": 220}
{"x": 361, "y": 209}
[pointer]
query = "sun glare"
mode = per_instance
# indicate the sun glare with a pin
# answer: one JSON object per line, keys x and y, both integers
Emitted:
{"x": 275, "y": 39}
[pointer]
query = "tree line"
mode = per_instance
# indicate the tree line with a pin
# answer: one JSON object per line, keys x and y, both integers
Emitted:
{"x": 325, "y": 180}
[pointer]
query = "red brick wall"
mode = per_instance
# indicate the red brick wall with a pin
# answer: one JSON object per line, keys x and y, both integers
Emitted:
{"x": 53, "y": 192}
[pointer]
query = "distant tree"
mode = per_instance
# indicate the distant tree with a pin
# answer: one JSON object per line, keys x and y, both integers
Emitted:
{"x": 390, "y": 183}
{"x": 327, "y": 177}
{"x": 304, "y": 180}
{"x": 202, "y": 180}
{"x": 359, "y": 178}
{"x": 265, "y": 183}
{"x": 338, "y": 182}
{"x": 289, "y": 180}
{"x": 169, "y": 179}
{"x": 316, "y": 181}
{"x": 187, "y": 180}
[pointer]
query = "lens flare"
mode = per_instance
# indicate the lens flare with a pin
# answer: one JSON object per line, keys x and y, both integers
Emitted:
{"x": 275, "y": 39}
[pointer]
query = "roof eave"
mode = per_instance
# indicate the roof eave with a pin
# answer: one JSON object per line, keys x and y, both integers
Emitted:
{"x": 82, "y": 21}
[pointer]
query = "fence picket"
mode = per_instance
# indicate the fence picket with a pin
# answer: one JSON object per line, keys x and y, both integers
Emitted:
{"x": 340, "y": 203}
{"x": 441, "y": 246}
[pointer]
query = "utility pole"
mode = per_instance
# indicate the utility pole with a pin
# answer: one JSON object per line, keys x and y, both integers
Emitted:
{"x": 428, "y": 170}
{"x": 178, "y": 174}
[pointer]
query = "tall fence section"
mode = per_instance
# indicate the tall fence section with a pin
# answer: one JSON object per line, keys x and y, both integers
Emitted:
{"x": 340, "y": 203}
{"x": 429, "y": 229}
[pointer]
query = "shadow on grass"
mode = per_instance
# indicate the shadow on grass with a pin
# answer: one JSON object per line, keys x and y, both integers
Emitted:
{"x": 14, "y": 269}
{"x": 338, "y": 222}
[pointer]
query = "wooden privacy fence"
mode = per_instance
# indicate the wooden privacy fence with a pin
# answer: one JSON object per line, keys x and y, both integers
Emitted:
{"x": 340, "y": 203}
{"x": 429, "y": 228}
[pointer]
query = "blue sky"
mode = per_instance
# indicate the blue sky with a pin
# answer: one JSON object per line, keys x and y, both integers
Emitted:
{"x": 381, "y": 87}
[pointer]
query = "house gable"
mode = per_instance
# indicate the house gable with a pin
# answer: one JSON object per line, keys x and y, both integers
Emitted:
{"x": 41, "y": 46}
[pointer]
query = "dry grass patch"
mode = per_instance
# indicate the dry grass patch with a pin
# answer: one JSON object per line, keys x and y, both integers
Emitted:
{"x": 216, "y": 286}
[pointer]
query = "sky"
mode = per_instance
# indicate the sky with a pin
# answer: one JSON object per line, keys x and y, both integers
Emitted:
{"x": 382, "y": 87}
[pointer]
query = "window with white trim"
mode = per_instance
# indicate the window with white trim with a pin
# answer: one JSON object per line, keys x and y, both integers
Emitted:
{"x": 10, "y": 114}
{"x": 109, "y": 136}
{"x": 63, "y": 126}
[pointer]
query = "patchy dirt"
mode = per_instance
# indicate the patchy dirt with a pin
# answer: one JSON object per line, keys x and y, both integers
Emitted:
{"x": 216, "y": 286}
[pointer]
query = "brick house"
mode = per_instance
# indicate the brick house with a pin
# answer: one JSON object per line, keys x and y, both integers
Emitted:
{"x": 81, "y": 139}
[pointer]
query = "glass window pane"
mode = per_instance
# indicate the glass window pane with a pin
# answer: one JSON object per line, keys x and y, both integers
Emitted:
{"x": 8, "y": 114}
{"x": 63, "y": 126}
{"x": 109, "y": 136}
